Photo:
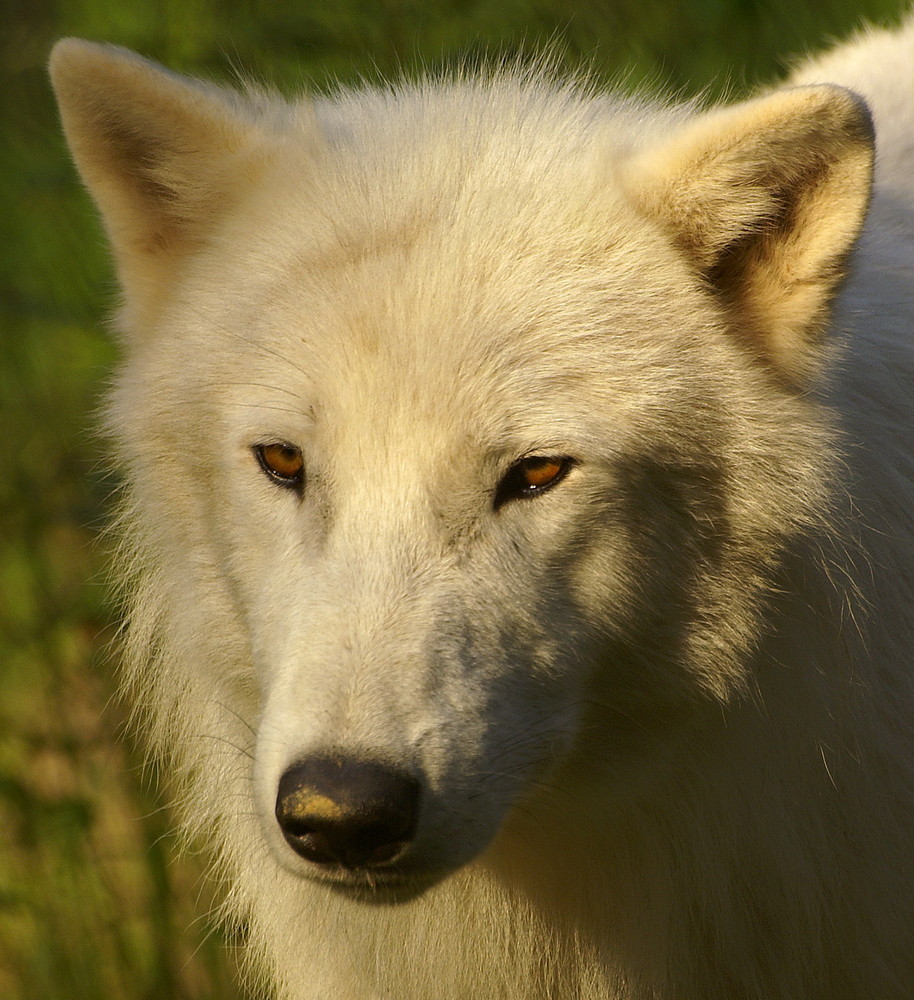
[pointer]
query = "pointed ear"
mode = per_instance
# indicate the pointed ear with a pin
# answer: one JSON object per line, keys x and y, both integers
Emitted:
{"x": 161, "y": 154}
{"x": 766, "y": 199}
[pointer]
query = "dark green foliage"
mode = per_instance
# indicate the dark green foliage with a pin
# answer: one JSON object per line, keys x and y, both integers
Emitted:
{"x": 93, "y": 904}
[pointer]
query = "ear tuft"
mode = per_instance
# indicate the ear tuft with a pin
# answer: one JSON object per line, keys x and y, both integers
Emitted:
{"x": 766, "y": 200}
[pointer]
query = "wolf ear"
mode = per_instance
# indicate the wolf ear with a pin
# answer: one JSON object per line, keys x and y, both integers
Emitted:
{"x": 766, "y": 199}
{"x": 161, "y": 154}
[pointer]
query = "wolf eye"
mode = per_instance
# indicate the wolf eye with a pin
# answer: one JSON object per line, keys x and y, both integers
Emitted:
{"x": 531, "y": 476}
{"x": 283, "y": 463}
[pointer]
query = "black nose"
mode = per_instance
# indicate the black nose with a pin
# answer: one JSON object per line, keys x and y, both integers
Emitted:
{"x": 335, "y": 810}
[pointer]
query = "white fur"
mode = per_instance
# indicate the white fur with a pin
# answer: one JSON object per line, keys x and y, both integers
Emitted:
{"x": 662, "y": 713}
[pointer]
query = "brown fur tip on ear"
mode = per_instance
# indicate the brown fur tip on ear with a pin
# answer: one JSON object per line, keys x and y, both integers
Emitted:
{"x": 73, "y": 50}
{"x": 838, "y": 115}
{"x": 76, "y": 64}
{"x": 69, "y": 54}
{"x": 851, "y": 112}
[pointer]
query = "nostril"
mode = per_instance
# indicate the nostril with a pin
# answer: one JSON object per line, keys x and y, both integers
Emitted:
{"x": 336, "y": 810}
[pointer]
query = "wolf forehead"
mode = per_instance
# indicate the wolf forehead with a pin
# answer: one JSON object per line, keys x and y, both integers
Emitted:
{"x": 488, "y": 152}
{"x": 507, "y": 341}
{"x": 474, "y": 229}
{"x": 530, "y": 170}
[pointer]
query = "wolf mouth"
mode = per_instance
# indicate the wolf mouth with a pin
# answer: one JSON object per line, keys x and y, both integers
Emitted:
{"x": 392, "y": 891}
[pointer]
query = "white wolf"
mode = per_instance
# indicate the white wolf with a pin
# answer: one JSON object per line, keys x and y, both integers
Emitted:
{"x": 521, "y": 579}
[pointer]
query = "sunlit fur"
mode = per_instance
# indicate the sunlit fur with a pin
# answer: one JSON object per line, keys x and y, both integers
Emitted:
{"x": 662, "y": 712}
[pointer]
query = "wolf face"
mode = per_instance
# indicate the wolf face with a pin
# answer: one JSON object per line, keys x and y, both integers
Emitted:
{"x": 464, "y": 433}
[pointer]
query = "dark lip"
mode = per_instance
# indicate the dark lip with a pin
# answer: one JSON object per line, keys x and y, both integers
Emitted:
{"x": 381, "y": 892}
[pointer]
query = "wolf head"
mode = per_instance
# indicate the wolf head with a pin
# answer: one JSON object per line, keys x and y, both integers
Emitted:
{"x": 464, "y": 427}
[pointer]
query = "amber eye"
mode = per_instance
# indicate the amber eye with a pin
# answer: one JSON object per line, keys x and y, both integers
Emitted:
{"x": 531, "y": 476}
{"x": 283, "y": 463}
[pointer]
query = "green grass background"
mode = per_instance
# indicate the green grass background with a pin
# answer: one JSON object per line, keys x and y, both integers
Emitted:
{"x": 94, "y": 902}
